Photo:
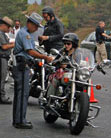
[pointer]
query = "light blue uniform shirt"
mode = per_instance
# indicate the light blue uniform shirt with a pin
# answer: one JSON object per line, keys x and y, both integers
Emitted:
{"x": 24, "y": 42}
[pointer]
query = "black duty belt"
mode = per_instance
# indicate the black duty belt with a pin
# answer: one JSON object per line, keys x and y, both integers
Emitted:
{"x": 21, "y": 59}
{"x": 100, "y": 42}
{"x": 6, "y": 57}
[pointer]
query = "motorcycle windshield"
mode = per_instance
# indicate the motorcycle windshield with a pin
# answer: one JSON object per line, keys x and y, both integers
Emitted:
{"x": 84, "y": 58}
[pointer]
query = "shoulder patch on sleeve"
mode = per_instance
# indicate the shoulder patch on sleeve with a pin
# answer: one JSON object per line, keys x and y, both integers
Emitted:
{"x": 28, "y": 37}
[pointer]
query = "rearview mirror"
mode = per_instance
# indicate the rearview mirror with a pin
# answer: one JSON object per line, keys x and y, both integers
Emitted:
{"x": 54, "y": 52}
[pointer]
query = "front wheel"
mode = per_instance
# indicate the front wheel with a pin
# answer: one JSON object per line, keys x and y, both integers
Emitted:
{"x": 79, "y": 116}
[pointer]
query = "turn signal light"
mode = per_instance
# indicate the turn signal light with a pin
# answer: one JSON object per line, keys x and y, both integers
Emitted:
{"x": 40, "y": 64}
{"x": 98, "y": 87}
{"x": 66, "y": 80}
{"x": 84, "y": 90}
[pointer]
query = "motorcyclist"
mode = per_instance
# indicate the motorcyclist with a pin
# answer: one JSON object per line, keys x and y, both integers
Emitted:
{"x": 70, "y": 41}
{"x": 53, "y": 30}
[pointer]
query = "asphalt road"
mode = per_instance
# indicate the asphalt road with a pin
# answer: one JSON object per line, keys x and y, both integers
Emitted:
{"x": 59, "y": 129}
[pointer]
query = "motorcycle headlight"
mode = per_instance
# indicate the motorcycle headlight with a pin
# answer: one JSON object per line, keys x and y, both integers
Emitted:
{"x": 83, "y": 74}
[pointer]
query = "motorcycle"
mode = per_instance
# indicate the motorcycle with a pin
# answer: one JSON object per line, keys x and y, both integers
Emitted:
{"x": 39, "y": 73}
{"x": 10, "y": 61}
{"x": 10, "y": 66}
{"x": 70, "y": 98}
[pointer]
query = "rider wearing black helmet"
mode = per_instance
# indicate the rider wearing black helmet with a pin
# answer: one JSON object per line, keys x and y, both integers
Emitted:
{"x": 72, "y": 37}
{"x": 70, "y": 41}
{"x": 49, "y": 11}
{"x": 53, "y": 30}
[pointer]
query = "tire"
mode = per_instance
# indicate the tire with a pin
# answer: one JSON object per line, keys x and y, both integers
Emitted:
{"x": 79, "y": 116}
{"x": 49, "y": 118}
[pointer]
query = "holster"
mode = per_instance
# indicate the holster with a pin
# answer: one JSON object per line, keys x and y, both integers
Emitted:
{"x": 21, "y": 62}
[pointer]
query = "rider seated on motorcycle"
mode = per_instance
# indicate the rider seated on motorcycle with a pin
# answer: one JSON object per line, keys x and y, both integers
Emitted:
{"x": 70, "y": 41}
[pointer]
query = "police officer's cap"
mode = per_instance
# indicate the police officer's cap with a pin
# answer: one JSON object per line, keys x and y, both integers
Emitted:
{"x": 35, "y": 18}
{"x": 6, "y": 20}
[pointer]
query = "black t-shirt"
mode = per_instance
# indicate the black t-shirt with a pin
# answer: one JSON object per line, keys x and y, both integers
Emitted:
{"x": 99, "y": 37}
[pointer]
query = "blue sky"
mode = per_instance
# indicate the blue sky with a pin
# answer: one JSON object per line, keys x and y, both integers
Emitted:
{"x": 33, "y": 1}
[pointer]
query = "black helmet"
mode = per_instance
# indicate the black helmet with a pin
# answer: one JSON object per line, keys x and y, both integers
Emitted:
{"x": 48, "y": 10}
{"x": 71, "y": 37}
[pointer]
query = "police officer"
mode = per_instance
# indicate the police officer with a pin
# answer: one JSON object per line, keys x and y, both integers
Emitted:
{"x": 53, "y": 30}
{"x": 24, "y": 51}
{"x": 5, "y": 51}
{"x": 101, "y": 53}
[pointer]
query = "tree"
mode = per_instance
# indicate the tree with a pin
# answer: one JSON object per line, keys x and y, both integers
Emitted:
{"x": 13, "y": 9}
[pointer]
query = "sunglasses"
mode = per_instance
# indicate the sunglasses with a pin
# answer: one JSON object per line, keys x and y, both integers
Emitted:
{"x": 45, "y": 16}
{"x": 67, "y": 43}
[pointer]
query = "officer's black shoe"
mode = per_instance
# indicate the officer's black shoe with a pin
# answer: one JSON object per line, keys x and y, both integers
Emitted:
{"x": 5, "y": 100}
{"x": 27, "y": 122}
{"x": 23, "y": 125}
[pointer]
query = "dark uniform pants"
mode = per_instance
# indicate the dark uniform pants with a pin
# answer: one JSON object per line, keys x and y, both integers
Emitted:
{"x": 3, "y": 74}
{"x": 21, "y": 93}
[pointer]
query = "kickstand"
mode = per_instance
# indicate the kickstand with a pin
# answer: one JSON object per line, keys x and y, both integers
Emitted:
{"x": 91, "y": 124}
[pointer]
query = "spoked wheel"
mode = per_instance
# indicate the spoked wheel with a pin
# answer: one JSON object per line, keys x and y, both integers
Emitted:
{"x": 49, "y": 118}
{"x": 80, "y": 114}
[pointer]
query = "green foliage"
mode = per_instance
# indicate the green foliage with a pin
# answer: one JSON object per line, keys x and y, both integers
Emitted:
{"x": 13, "y": 9}
{"x": 77, "y": 13}
{"x": 73, "y": 13}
